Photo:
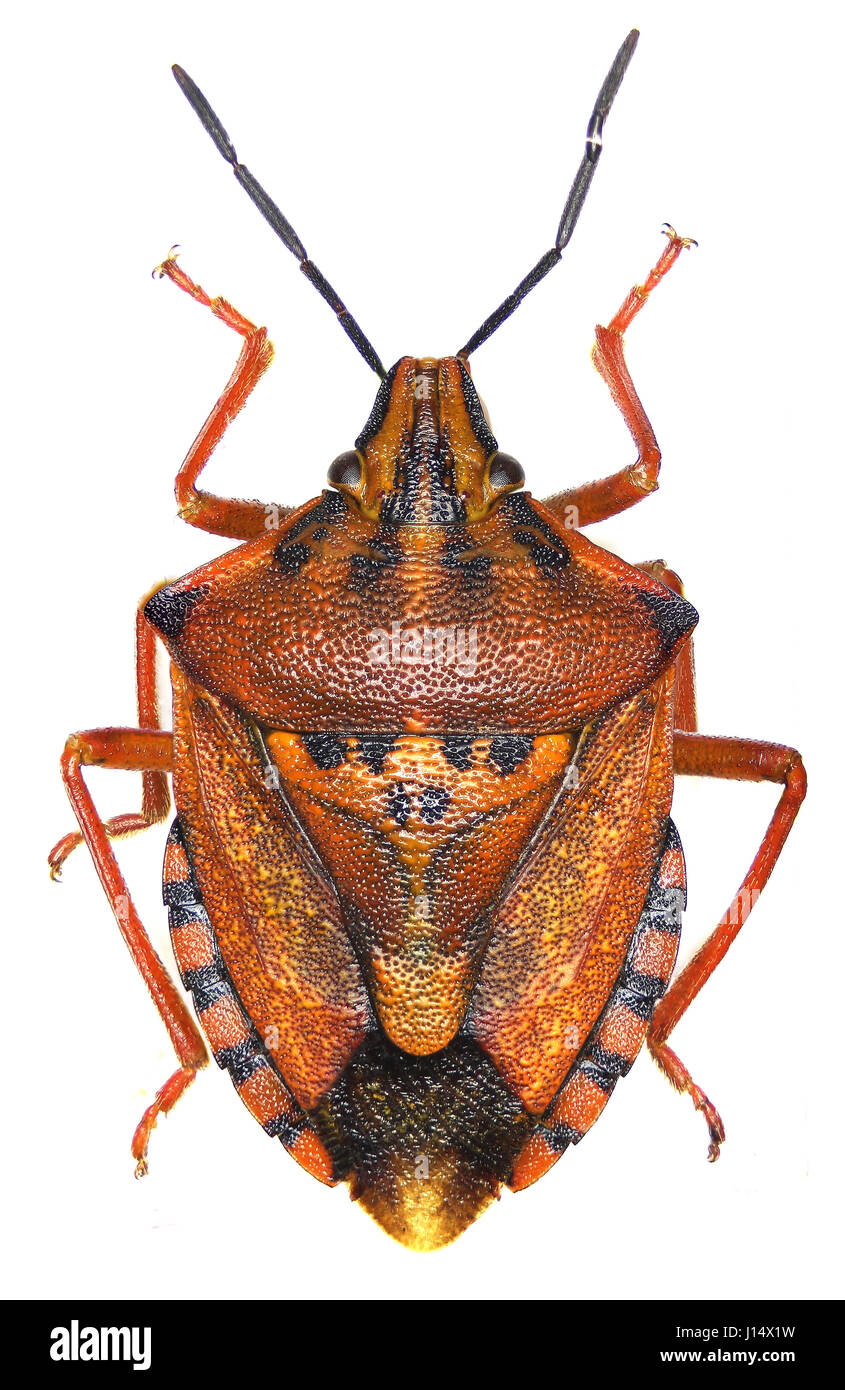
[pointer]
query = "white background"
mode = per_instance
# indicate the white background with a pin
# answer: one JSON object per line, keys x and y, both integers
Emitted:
{"x": 423, "y": 153}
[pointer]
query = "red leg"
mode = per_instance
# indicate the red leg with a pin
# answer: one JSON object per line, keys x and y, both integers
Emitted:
{"x": 746, "y": 760}
{"x": 223, "y": 516}
{"x": 592, "y": 502}
{"x": 134, "y": 750}
{"x": 155, "y": 795}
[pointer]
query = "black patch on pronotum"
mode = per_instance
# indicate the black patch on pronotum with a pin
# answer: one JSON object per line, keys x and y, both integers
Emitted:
{"x": 374, "y": 748}
{"x": 434, "y": 803}
{"x": 366, "y": 567}
{"x": 507, "y": 751}
{"x": 544, "y": 556}
{"x": 519, "y": 509}
{"x": 325, "y": 750}
{"x": 474, "y": 572}
{"x": 330, "y": 508}
{"x": 522, "y": 513}
{"x": 673, "y": 616}
{"x": 291, "y": 557}
{"x": 472, "y": 569}
{"x": 169, "y": 609}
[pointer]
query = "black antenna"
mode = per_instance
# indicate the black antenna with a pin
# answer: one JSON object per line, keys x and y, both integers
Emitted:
{"x": 574, "y": 203}
{"x": 277, "y": 220}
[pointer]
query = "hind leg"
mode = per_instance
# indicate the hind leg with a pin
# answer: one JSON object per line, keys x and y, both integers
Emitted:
{"x": 148, "y": 751}
{"x": 745, "y": 760}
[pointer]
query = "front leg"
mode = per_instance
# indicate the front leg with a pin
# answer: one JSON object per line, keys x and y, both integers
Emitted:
{"x": 582, "y": 506}
{"x": 223, "y": 516}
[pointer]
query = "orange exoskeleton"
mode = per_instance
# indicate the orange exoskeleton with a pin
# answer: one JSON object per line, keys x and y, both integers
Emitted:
{"x": 423, "y": 883}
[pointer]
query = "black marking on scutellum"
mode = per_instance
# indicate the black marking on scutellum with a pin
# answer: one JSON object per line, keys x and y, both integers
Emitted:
{"x": 374, "y": 748}
{"x": 457, "y": 750}
{"x": 399, "y": 806}
{"x": 434, "y": 803}
{"x": 507, "y": 751}
{"x": 169, "y": 609}
{"x": 325, "y": 750}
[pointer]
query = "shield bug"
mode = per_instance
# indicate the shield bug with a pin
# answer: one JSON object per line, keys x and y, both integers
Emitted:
{"x": 423, "y": 885}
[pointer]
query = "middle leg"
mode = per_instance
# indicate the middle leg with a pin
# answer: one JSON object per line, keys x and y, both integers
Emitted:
{"x": 742, "y": 760}
{"x": 155, "y": 794}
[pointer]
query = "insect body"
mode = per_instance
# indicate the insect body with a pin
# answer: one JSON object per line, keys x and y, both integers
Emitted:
{"x": 423, "y": 884}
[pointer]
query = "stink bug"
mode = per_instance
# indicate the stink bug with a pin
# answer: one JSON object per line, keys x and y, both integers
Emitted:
{"x": 423, "y": 884}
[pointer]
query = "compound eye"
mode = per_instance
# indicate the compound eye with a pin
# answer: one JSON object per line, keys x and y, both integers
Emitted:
{"x": 346, "y": 470}
{"x": 505, "y": 472}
